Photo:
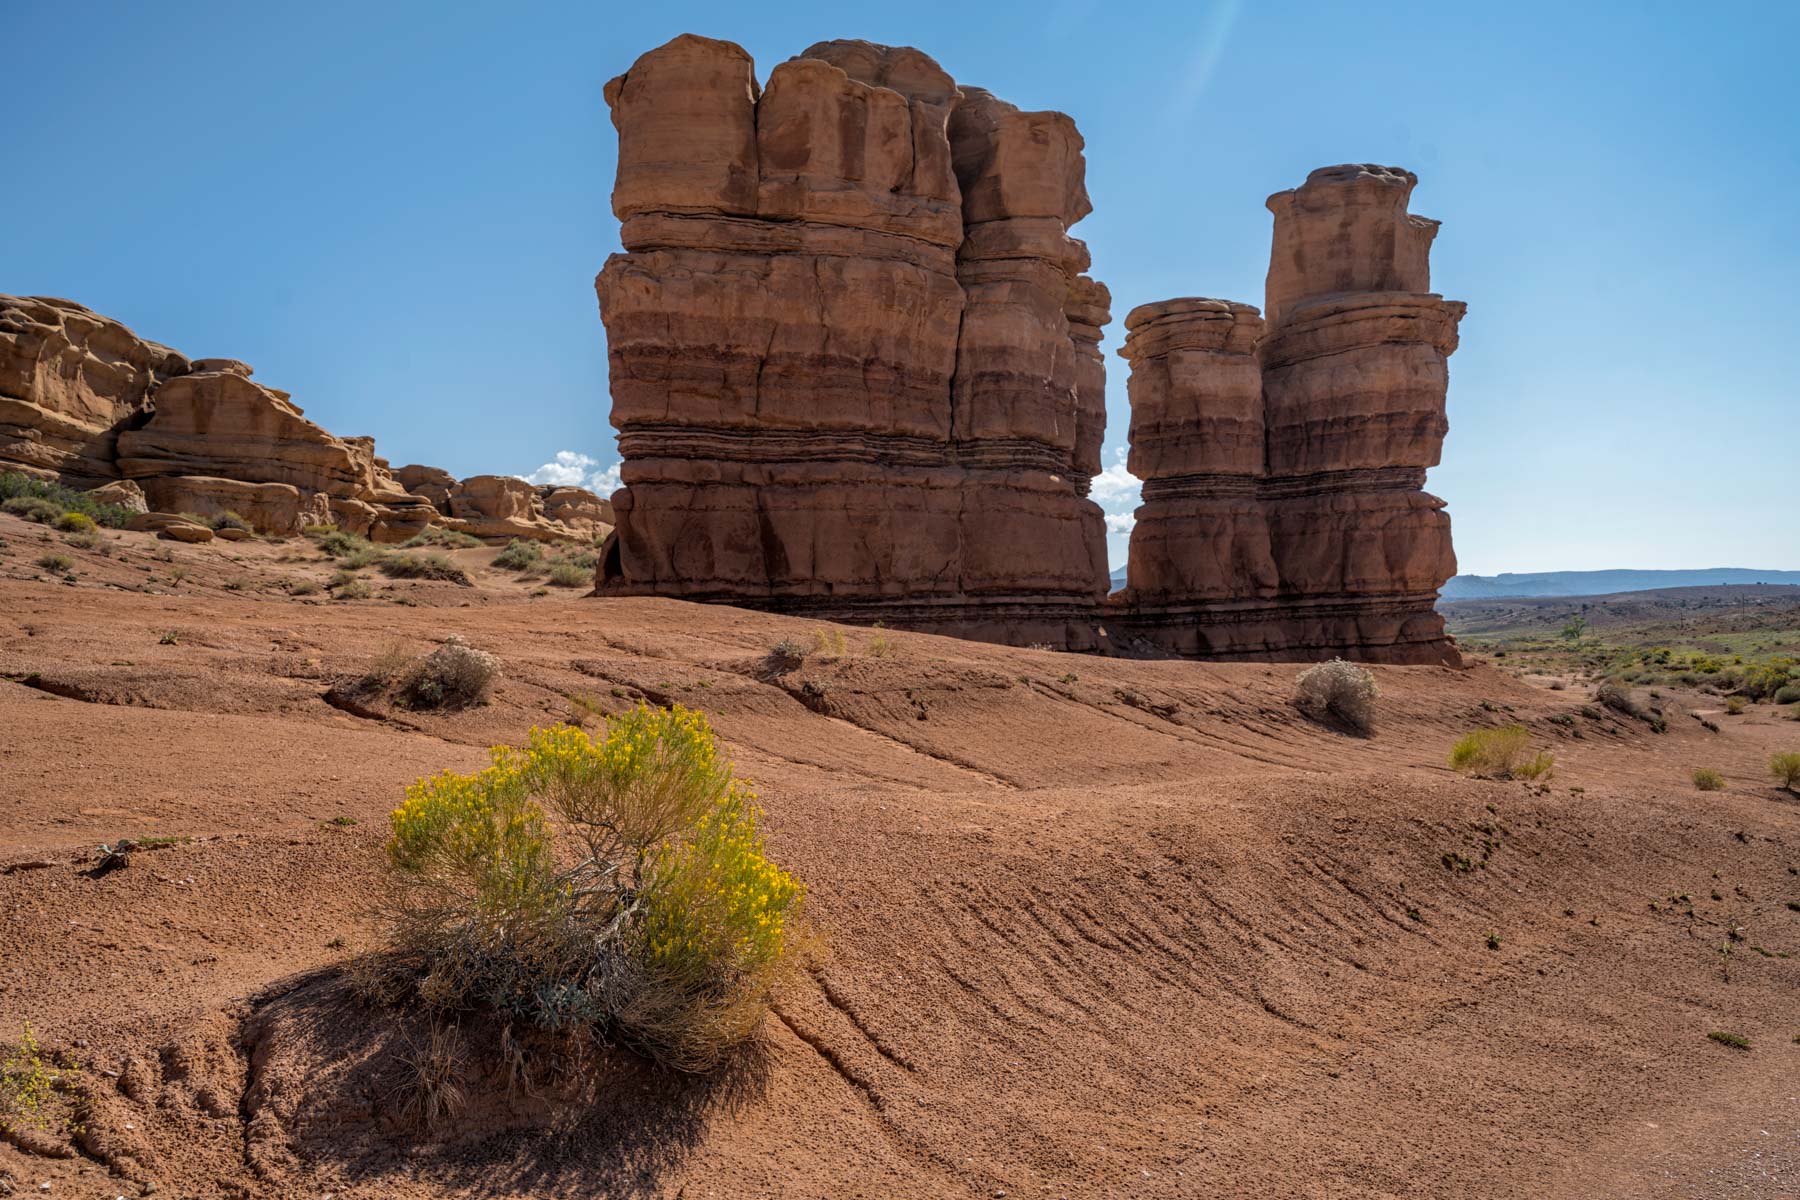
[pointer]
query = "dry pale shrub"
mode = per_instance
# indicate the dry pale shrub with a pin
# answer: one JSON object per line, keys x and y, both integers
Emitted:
{"x": 1339, "y": 690}
{"x": 454, "y": 675}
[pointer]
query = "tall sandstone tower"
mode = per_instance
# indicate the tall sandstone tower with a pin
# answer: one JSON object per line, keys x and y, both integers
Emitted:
{"x": 854, "y": 357}
{"x": 1284, "y": 458}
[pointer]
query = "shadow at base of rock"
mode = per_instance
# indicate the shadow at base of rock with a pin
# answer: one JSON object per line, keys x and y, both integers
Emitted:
{"x": 328, "y": 1087}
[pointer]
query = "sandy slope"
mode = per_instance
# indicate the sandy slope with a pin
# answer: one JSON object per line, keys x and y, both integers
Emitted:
{"x": 1090, "y": 928}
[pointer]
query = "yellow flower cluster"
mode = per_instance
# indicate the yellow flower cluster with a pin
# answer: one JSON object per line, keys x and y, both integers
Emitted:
{"x": 714, "y": 903}
{"x": 480, "y": 833}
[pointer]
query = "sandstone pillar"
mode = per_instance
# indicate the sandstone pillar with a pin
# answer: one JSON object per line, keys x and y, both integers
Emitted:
{"x": 852, "y": 353}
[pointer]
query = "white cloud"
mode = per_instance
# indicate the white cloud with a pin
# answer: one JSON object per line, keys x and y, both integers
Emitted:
{"x": 574, "y": 469}
{"x": 1118, "y": 492}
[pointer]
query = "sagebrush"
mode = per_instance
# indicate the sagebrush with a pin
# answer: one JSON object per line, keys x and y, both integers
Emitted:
{"x": 1500, "y": 752}
{"x": 1339, "y": 690}
{"x": 618, "y": 885}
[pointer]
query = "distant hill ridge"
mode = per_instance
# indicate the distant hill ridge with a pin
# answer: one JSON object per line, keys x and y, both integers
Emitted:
{"x": 1599, "y": 583}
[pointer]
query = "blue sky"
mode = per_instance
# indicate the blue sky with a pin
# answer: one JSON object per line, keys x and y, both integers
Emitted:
{"x": 396, "y": 210}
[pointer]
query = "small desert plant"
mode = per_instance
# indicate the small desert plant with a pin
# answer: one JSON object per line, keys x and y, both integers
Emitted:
{"x": 31, "y": 1089}
{"x": 169, "y": 638}
{"x": 32, "y": 508}
{"x": 423, "y": 566}
{"x": 1734, "y": 706}
{"x": 55, "y": 499}
{"x": 435, "y": 1076}
{"x": 1537, "y": 766}
{"x": 437, "y": 535}
{"x": 1338, "y": 690}
{"x": 1736, "y": 1041}
{"x": 570, "y": 574}
{"x": 75, "y": 522}
{"x": 519, "y": 555}
{"x": 230, "y": 520}
{"x": 1497, "y": 752}
{"x": 1708, "y": 780}
{"x": 784, "y": 656}
{"x": 352, "y": 589}
{"x": 338, "y": 544}
{"x": 829, "y": 639}
{"x": 1785, "y": 767}
{"x": 58, "y": 564}
{"x": 617, "y": 884}
{"x": 454, "y": 675}
{"x": 90, "y": 540}
{"x": 303, "y": 587}
{"x": 880, "y": 645}
{"x": 1787, "y": 694}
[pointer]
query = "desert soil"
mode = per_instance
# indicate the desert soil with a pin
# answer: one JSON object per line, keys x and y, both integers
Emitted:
{"x": 1084, "y": 927}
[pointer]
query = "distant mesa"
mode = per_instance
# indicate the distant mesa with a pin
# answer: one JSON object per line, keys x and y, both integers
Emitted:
{"x": 1603, "y": 583}
{"x": 855, "y": 374}
{"x": 86, "y": 401}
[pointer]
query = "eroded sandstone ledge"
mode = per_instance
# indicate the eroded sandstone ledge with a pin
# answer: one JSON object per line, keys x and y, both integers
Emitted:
{"x": 86, "y": 401}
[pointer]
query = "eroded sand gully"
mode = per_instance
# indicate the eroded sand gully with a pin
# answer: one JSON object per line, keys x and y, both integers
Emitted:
{"x": 1091, "y": 927}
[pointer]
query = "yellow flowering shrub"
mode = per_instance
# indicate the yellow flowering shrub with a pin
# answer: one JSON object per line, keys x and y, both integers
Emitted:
{"x": 620, "y": 882}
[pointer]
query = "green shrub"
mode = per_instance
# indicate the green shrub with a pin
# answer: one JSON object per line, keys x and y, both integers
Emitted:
{"x": 32, "y": 508}
{"x": 15, "y": 485}
{"x": 1734, "y": 706}
{"x": 1496, "y": 752}
{"x": 352, "y": 588}
{"x": 519, "y": 555}
{"x": 1708, "y": 780}
{"x": 34, "y": 1090}
{"x": 437, "y": 535}
{"x": 570, "y": 574}
{"x": 75, "y": 522}
{"x": 1789, "y": 694}
{"x": 59, "y": 564}
{"x": 1785, "y": 768}
{"x": 339, "y": 544}
{"x": 618, "y": 885}
{"x": 91, "y": 540}
{"x": 1338, "y": 690}
{"x": 423, "y": 566}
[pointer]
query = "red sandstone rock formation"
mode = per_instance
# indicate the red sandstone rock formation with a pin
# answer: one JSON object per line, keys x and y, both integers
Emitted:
{"x": 69, "y": 379}
{"x": 1283, "y": 514}
{"x": 854, "y": 359}
{"x": 84, "y": 399}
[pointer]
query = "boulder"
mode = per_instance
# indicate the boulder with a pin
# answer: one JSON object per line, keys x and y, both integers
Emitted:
{"x": 504, "y": 507}
{"x": 121, "y": 493}
{"x": 431, "y": 483}
{"x": 185, "y": 531}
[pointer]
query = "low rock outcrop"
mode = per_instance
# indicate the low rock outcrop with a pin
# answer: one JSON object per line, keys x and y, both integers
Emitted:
{"x": 85, "y": 400}
{"x": 853, "y": 355}
{"x": 1283, "y": 465}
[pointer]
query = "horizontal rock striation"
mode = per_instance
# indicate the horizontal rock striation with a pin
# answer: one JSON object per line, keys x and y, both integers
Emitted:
{"x": 1283, "y": 463}
{"x": 86, "y": 401}
{"x": 854, "y": 357}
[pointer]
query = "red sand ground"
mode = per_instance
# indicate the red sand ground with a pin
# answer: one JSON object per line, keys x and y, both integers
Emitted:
{"x": 1089, "y": 927}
